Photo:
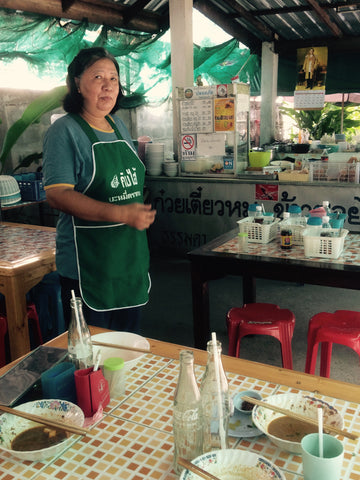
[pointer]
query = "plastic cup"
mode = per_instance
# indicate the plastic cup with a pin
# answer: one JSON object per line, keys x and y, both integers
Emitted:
{"x": 327, "y": 467}
{"x": 114, "y": 373}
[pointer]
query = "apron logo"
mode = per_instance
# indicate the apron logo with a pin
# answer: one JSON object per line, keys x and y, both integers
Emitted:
{"x": 115, "y": 182}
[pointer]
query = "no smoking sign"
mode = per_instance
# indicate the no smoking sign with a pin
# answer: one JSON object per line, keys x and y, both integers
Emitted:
{"x": 188, "y": 146}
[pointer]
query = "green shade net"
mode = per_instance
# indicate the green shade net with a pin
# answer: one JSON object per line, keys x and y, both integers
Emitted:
{"x": 49, "y": 45}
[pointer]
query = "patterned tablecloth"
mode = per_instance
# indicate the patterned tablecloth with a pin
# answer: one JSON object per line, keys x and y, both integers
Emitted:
{"x": 17, "y": 243}
{"x": 134, "y": 439}
{"x": 349, "y": 256}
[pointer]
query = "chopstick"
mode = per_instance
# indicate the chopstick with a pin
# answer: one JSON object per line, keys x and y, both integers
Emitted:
{"x": 193, "y": 468}
{"x": 121, "y": 347}
{"x": 303, "y": 418}
{"x": 45, "y": 421}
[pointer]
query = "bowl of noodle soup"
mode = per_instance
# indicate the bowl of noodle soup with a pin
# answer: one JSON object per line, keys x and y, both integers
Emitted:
{"x": 234, "y": 464}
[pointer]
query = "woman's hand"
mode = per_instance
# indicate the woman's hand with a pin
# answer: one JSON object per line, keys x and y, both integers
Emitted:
{"x": 66, "y": 199}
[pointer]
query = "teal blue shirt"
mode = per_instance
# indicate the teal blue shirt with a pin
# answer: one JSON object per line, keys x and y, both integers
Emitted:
{"x": 67, "y": 159}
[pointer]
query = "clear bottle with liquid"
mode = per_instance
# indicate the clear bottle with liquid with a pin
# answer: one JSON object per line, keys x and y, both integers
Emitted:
{"x": 187, "y": 414}
{"x": 326, "y": 207}
{"x": 216, "y": 405}
{"x": 80, "y": 350}
{"x": 258, "y": 215}
{"x": 326, "y": 230}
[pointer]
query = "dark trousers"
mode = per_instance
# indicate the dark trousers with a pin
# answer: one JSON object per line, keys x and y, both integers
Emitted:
{"x": 126, "y": 319}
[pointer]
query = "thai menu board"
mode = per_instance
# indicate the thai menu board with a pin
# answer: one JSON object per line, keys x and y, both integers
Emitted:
{"x": 196, "y": 116}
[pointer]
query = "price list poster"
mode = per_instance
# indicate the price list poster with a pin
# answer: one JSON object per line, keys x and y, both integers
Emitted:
{"x": 311, "y": 78}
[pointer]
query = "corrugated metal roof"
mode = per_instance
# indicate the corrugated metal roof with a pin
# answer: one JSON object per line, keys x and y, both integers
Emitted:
{"x": 290, "y": 24}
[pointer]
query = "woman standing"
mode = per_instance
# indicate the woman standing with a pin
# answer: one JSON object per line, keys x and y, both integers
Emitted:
{"x": 94, "y": 177}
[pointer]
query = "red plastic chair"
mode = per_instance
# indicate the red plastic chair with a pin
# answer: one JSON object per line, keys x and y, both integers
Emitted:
{"x": 342, "y": 327}
{"x": 3, "y": 331}
{"x": 261, "y": 319}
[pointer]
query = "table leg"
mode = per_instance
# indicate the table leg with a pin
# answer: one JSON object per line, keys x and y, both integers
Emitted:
{"x": 16, "y": 313}
{"x": 249, "y": 289}
{"x": 200, "y": 302}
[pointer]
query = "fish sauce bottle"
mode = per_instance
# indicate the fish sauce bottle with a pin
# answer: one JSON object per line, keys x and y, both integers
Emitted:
{"x": 187, "y": 413}
{"x": 80, "y": 351}
{"x": 286, "y": 233}
{"x": 216, "y": 405}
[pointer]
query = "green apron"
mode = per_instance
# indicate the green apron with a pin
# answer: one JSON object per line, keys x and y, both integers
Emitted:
{"x": 112, "y": 259}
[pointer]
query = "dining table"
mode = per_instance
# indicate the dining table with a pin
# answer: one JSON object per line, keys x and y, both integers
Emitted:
{"x": 133, "y": 439}
{"x": 27, "y": 253}
{"x": 221, "y": 257}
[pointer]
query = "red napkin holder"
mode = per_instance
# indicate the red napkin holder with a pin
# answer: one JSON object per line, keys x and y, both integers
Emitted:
{"x": 92, "y": 390}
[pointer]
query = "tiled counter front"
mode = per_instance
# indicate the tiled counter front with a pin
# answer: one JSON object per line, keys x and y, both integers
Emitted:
{"x": 134, "y": 440}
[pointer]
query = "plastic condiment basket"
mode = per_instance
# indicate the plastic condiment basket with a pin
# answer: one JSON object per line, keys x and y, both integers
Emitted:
{"x": 259, "y": 232}
{"x": 325, "y": 247}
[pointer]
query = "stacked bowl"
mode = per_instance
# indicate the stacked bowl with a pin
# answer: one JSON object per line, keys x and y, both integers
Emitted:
{"x": 170, "y": 168}
{"x": 154, "y": 158}
{"x": 9, "y": 190}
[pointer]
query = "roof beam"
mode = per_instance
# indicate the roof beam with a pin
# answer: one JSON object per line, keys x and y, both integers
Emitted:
{"x": 242, "y": 13}
{"x": 345, "y": 44}
{"x": 227, "y": 23}
{"x": 100, "y": 14}
{"x": 324, "y": 17}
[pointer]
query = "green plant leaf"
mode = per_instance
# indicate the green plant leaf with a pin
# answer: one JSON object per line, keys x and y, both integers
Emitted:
{"x": 44, "y": 103}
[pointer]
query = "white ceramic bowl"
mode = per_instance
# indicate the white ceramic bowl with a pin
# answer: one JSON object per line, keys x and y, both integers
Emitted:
{"x": 297, "y": 403}
{"x": 59, "y": 410}
{"x": 233, "y": 465}
{"x": 121, "y": 338}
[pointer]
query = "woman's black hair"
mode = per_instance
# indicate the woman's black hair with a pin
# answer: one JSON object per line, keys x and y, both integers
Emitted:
{"x": 73, "y": 101}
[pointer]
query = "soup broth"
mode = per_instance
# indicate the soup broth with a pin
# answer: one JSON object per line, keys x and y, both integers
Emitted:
{"x": 37, "y": 438}
{"x": 290, "y": 429}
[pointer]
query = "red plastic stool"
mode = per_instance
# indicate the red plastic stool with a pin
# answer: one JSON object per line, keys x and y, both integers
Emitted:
{"x": 261, "y": 319}
{"x": 342, "y": 327}
{"x": 34, "y": 324}
{"x": 3, "y": 330}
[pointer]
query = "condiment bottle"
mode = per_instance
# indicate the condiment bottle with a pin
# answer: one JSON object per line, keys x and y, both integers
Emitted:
{"x": 187, "y": 416}
{"x": 326, "y": 230}
{"x": 215, "y": 403}
{"x": 325, "y": 205}
{"x": 286, "y": 233}
{"x": 295, "y": 214}
{"x": 258, "y": 215}
{"x": 79, "y": 338}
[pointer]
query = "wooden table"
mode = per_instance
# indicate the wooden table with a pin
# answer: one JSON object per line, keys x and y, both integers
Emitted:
{"x": 220, "y": 257}
{"x": 27, "y": 253}
{"x": 134, "y": 439}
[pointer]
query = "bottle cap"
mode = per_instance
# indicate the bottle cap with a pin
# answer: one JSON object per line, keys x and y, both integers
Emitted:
{"x": 314, "y": 221}
{"x": 325, "y": 219}
{"x": 258, "y": 208}
{"x": 114, "y": 363}
{"x": 294, "y": 209}
{"x": 286, "y": 215}
{"x": 242, "y": 234}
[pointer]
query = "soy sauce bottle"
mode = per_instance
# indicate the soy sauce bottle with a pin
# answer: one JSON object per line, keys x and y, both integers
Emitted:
{"x": 286, "y": 233}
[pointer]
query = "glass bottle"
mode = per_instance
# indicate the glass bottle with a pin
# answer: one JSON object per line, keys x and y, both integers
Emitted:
{"x": 326, "y": 207}
{"x": 187, "y": 416}
{"x": 216, "y": 407}
{"x": 326, "y": 230}
{"x": 286, "y": 233}
{"x": 243, "y": 242}
{"x": 79, "y": 338}
{"x": 258, "y": 215}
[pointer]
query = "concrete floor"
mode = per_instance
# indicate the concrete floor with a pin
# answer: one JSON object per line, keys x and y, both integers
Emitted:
{"x": 168, "y": 315}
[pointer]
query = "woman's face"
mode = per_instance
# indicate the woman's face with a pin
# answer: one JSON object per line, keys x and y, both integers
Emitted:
{"x": 99, "y": 87}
